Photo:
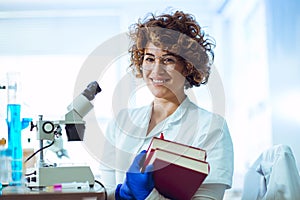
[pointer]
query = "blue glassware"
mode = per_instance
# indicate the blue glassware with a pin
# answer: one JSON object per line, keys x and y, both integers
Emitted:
{"x": 15, "y": 126}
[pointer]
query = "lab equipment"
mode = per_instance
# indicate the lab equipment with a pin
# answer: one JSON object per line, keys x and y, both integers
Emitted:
{"x": 15, "y": 126}
{"x": 71, "y": 186}
{"x": 45, "y": 175}
{"x": 5, "y": 164}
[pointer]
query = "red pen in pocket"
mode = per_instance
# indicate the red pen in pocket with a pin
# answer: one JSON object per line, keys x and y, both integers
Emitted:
{"x": 162, "y": 136}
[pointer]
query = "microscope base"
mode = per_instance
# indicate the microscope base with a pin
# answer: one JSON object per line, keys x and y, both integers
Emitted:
{"x": 48, "y": 176}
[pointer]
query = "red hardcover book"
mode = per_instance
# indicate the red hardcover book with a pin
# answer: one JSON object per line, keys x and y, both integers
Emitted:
{"x": 176, "y": 176}
{"x": 178, "y": 148}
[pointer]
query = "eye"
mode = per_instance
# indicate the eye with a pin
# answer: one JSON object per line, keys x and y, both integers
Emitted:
{"x": 149, "y": 59}
{"x": 169, "y": 60}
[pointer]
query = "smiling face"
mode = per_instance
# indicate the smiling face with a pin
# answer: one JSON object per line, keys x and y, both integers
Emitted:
{"x": 162, "y": 72}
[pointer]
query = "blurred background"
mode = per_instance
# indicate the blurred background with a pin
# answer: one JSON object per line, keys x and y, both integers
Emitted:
{"x": 255, "y": 59}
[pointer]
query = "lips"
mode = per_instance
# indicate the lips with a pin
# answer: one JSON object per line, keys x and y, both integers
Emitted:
{"x": 159, "y": 81}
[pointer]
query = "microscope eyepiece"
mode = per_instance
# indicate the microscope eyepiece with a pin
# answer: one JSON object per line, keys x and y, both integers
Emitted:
{"x": 91, "y": 90}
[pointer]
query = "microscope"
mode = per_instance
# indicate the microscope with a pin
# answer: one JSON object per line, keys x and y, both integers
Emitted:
{"x": 43, "y": 174}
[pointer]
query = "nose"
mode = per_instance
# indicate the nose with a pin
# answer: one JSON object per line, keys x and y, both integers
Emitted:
{"x": 158, "y": 67}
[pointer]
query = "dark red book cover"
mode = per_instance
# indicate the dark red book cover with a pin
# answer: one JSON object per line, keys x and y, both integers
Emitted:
{"x": 176, "y": 182}
{"x": 177, "y": 148}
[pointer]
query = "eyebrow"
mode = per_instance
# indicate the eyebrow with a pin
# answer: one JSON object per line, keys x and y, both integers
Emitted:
{"x": 167, "y": 54}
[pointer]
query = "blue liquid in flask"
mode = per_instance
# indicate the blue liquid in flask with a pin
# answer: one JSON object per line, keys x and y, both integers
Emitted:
{"x": 15, "y": 142}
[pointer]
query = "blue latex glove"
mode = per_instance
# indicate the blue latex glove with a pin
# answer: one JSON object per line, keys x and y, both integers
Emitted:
{"x": 123, "y": 192}
{"x": 137, "y": 185}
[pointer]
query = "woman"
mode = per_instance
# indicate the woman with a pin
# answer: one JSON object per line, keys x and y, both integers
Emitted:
{"x": 171, "y": 53}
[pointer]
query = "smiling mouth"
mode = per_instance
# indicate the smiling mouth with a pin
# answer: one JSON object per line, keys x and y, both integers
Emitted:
{"x": 159, "y": 81}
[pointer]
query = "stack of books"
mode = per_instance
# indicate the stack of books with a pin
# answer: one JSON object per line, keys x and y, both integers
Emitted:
{"x": 179, "y": 169}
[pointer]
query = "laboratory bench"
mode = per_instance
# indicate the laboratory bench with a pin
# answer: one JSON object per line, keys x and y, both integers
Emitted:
{"x": 55, "y": 195}
{"x": 36, "y": 194}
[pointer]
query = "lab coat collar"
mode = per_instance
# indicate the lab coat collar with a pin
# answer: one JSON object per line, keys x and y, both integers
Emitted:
{"x": 173, "y": 118}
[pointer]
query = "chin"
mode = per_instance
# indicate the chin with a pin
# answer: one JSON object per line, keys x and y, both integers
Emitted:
{"x": 159, "y": 93}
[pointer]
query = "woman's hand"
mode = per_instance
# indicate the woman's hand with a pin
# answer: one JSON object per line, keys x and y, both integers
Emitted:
{"x": 137, "y": 185}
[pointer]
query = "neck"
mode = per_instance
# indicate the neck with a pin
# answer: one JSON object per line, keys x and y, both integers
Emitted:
{"x": 162, "y": 108}
{"x": 165, "y": 107}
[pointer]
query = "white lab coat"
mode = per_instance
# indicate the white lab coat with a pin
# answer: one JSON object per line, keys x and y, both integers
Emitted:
{"x": 189, "y": 124}
{"x": 273, "y": 176}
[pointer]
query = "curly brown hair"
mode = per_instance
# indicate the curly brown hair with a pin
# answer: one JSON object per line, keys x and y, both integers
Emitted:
{"x": 180, "y": 34}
